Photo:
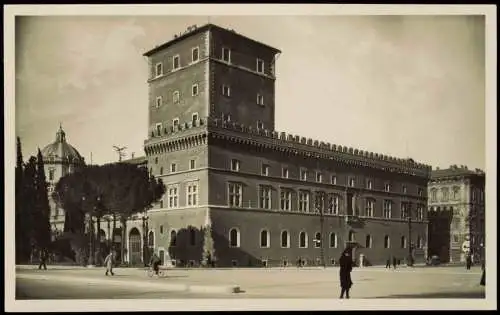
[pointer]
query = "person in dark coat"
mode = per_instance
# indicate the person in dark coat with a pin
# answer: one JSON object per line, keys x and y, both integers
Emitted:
{"x": 44, "y": 255}
{"x": 394, "y": 262}
{"x": 468, "y": 262}
{"x": 345, "y": 263}
{"x": 388, "y": 263}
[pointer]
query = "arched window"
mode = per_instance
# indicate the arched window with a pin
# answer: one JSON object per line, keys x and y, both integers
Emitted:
{"x": 151, "y": 239}
{"x": 192, "y": 237}
{"x": 234, "y": 237}
{"x": 352, "y": 236}
{"x": 387, "y": 241}
{"x": 333, "y": 240}
{"x": 403, "y": 242}
{"x": 173, "y": 238}
{"x": 317, "y": 240}
{"x": 303, "y": 239}
{"x": 264, "y": 239}
{"x": 368, "y": 241}
{"x": 285, "y": 239}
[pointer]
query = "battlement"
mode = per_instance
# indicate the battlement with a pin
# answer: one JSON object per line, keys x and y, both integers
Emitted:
{"x": 292, "y": 140}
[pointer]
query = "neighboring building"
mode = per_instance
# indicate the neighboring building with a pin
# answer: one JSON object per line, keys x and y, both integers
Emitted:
{"x": 456, "y": 213}
{"x": 59, "y": 158}
{"x": 226, "y": 170}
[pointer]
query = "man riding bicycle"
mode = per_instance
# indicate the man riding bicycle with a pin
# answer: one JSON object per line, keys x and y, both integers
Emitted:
{"x": 155, "y": 263}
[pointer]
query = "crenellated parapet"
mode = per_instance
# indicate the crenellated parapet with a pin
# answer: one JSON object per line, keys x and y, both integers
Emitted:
{"x": 175, "y": 138}
{"x": 297, "y": 145}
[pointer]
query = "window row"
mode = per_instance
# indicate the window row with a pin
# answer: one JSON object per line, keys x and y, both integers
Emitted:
{"x": 195, "y": 57}
{"x": 173, "y": 167}
{"x": 172, "y": 195}
{"x": 332, "y": 204}
{"x": 303, "y": 239}
{"x": 235, "y": 166}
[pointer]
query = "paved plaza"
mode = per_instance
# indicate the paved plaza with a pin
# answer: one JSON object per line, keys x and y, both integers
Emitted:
{"x": 374, "y": 282}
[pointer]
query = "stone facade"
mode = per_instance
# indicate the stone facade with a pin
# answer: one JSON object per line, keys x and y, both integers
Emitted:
{"x": 263, "y": 196}
{"x": 456, "y": 213}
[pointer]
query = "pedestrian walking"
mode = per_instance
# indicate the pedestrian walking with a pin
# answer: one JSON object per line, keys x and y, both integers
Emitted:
{"x": 155, "y": 263}
{"x": 388, "y": 263}
{"x": 468, "y": 262}
{"x": 345, "y": 263}
{"x": 43, "y": 259}
{"x": 483, "y": 276}
{"x": 394, "y": 262}
{"x": 108, "y": 262}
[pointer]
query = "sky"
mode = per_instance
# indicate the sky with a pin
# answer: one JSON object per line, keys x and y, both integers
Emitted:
{"x": 405, "y": 86}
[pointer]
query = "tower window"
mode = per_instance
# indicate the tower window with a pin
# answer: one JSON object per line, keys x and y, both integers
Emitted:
{"x": 194, "y": 90}
{"x": 226, "y": 90}
{"x": 176, "y": 97}
{"x": 260, "y": 65}
{"x": 192, "y": 164}
{"x": 158, "y": 129}
{"x": 51, "y": 174}
{"x": 260, "y": 99}
{"x": 158, "y": 101}
{"x": 194, "y": 118}
{"x": 175, "y": 123}
{"x": 176, "y": 62}
{"x": 173, "y": 167}
{"x": 226, "y": 54}
{"x": 195, "y": 54}
{"x": 159, "y": 69}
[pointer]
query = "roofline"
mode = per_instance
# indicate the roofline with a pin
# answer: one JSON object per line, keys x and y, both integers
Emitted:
{"x": 203, "y": 28}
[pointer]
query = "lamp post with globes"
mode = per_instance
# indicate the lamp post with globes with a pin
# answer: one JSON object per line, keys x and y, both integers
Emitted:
{"x": 145, "y": 247}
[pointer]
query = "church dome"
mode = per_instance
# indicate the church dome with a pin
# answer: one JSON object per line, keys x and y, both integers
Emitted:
{"x": 61, "y": 151}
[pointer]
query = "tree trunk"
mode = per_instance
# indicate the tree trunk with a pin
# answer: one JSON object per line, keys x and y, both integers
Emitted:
{"x": 98, "y": 240}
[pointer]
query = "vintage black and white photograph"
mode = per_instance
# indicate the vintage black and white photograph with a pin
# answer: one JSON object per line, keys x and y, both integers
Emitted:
{"x": 250, "y": 156}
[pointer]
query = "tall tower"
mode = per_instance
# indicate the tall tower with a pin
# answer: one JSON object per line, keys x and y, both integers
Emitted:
{"x": 211, "y": 72}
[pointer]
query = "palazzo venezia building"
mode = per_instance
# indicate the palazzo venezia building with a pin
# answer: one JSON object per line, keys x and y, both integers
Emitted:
{"x": 212, "y": 140}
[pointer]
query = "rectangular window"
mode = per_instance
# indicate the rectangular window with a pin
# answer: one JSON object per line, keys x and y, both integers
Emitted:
{"x": 334, "y": 180}
{"x": 192, "y": 164}
{"x": 176, "y": 64}
{"x": 284, "y": 172}
{"x": 369, "y": 184}
{"x": 158, "y": 129}
{"x": 387, "y": 209}
{"x": 333, "y": 204}
{"x": 194, "y": 90}
{"x": 420, "y": 212}
{"x": 159, "y": 69}
{"x": 158, "y": 101}
{"x": 194, "y": 119}
{"x": 285, "y": 199}
{"x": 387, "y": 187}
{"x": 195, "y": 54}
{"x": 260, "y": 125}
{"x": 433, "y": 194}
{"x": 303, "y": 174}
{"x": 175, "y": 123}
{"x": 405, "y": 190}
{"x": 265, "y": 170}
{"x": 226, "y": 54}
{"x": 173, "y": 168}
{"x": 370, "y": 205}
{"x": 260, "y": 65}
{"x": 404, "y": 210}
{"x": 303, "y": 201}
{"x": 173, "y": 196}
{"x": 260, "y": 99}
{"x": 319, "y": 177}
{"x": 352, "y": 182}
{"x": 176, "y": 97}
{"x": 226, "y": 90}
{"x": 235, "y": 165}
{"x": 51, "y": 174}
{"x": 235, "y": 194}
{"x": 265, "y": 197}
{"x": 420, "y": 191}
{"x": 192, "y": 194}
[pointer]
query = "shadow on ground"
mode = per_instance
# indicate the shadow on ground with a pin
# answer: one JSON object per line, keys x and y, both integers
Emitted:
{"x": 437, "y": 295}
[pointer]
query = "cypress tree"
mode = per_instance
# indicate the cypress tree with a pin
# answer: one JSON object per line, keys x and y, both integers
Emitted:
{"x": 30, "y": 203}
{"x": 42, "y": 203}
{"x": 20, "y": 222}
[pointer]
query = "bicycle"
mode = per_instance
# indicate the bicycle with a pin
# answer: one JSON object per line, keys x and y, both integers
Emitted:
{"x": 151, "y": 272}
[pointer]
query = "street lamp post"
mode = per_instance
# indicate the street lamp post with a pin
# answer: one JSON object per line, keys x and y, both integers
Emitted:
{"x": 322, "y": 221}
{"x": 410, "y": 243}
{"x": 145, "y": 240}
